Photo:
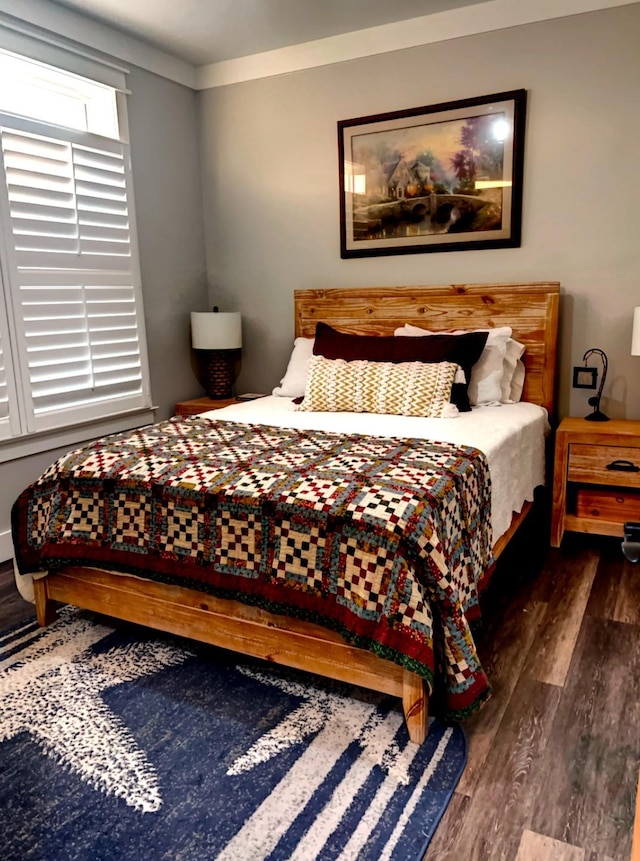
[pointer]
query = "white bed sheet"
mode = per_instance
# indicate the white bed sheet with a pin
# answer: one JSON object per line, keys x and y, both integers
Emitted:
{"x": 512, "y": 436}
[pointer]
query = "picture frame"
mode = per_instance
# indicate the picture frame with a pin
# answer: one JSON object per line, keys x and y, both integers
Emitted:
{"x": 585, "y": 378}
{"x": 446, "y": 177}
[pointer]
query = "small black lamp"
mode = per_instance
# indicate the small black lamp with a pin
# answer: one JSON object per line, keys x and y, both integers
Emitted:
{"x": 597, "y": 415}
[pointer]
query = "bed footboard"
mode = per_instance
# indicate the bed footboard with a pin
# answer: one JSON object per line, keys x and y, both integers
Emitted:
{"x": 415, "y": 705}
{"x": 234, "y": 626}
{"x": 46, "y": 611}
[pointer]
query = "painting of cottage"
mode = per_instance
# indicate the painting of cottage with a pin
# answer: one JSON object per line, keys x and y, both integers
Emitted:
{"x": 430, "y": 179}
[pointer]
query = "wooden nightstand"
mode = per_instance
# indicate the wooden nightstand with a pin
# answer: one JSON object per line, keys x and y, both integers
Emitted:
{"x": 201, "y": 405}
{"x": 635, "y": 848}
{"x": 596, "y": 477}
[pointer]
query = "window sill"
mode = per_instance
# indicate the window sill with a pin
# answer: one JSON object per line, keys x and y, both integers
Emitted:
{"x": 24, "y": 446}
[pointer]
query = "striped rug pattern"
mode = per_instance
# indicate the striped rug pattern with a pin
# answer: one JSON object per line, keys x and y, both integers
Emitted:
{"x": 123, "y": 744}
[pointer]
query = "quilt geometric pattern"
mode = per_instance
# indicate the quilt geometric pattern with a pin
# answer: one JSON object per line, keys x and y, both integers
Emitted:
{"x": 391, "y": 553}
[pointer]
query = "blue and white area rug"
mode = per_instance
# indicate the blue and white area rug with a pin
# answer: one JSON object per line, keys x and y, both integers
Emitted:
{"x": 124, "y": 745}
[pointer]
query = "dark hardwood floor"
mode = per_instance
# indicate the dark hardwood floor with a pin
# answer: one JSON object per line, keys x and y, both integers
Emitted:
{"x": 553, "y": 757}
{"x": 13, "y": 608}
{"x": 553, "y": 761}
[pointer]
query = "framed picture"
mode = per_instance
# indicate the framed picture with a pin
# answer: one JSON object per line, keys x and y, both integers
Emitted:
{"x": 446, "y": 177}
{"x": 585, "y": 378}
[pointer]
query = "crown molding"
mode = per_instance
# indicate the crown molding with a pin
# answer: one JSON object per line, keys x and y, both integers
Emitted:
{"x": 438, "y": 27}
{"x": 428, "y": 29}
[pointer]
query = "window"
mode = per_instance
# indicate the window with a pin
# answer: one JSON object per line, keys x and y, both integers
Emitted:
{"x": 4, "y": 394}
{"x": 72, "y": 345}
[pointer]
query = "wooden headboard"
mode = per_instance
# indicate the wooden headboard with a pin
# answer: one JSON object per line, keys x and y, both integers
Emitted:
{"x": 530, "y": 309}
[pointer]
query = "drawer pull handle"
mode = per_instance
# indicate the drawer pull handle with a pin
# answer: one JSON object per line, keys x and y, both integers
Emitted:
{"x": 623, "y": 466}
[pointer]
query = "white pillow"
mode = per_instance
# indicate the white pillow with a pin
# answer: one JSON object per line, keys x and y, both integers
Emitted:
{"x": 292, "y": 385}
{"x": 517, "y": 382}
{"x": 485, "y": 385}
{"x": 513, "y": 379}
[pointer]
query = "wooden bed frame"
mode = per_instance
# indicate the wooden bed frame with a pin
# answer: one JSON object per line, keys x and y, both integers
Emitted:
{"x": 532, "y": 312}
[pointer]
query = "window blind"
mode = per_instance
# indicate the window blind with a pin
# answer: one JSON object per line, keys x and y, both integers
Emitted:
{"x": 4, "y": 394}
{"x": 9, "y": 422}
{"x": 72, "y": 268}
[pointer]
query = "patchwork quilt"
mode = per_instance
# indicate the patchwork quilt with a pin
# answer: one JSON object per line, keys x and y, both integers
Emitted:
{"x": 385, "y": 540}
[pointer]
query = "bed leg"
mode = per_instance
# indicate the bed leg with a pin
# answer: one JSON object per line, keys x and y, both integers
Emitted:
{"x": 415, "y": 705}
{"x": 45, "y": 607}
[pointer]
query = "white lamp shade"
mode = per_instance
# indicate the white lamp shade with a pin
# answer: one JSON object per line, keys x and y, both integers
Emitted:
{"x": 216, "y": 330}
{"x": 635, "y": 335}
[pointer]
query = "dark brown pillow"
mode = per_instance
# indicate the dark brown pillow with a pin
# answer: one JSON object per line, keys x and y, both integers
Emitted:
{"x": 464, "y": 350}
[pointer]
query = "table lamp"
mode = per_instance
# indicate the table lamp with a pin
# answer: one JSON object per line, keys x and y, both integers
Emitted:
{"x": 597, "y": 415}
{"x": 219, "y": 335}
{"x": 635, "y": 333}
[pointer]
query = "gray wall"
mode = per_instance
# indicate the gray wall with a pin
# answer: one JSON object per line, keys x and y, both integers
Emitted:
{"x": 269, "y": 179}
{"x": 166, "y": 174}
{"x": 165, "y": 160}
{"x": 271, "y": 190}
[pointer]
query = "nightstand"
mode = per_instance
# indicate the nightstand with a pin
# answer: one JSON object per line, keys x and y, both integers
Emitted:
{"x": 596, "y": 477}
{"x": 201, "y": 405}
{"x": 635, "y": 847}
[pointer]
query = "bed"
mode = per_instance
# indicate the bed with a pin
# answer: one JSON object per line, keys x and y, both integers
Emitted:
{"x": 531, "y": 310}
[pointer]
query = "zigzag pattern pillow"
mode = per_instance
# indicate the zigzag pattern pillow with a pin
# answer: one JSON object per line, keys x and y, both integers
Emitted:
{"x": 404, "y": 389}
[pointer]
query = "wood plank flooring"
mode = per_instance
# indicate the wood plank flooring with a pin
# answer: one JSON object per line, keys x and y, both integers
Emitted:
{"x": 553, "y": 763}
{"x": 552, "y": 773}
{"x": 13, "y": 608}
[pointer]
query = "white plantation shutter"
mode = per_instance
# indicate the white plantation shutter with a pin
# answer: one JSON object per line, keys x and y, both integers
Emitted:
{"x": 73, "y": 273}
{"x": 5, "y": 429}
{"x": 9, "y": 419}
{"x": 4, "y": 397}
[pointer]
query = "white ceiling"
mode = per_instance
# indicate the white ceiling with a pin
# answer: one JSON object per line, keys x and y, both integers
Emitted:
{"x": 202, "y": 32}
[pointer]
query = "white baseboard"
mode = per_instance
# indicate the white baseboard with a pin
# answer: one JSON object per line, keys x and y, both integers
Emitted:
{"x": 6, "y": 546}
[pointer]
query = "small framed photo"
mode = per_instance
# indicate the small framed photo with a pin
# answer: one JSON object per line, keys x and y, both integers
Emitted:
{"x": 447, "y": 177}
{"x": 585, "y": 378}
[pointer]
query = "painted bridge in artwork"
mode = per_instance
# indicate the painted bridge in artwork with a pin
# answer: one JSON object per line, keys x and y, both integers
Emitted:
{"x": 441, "y": 211}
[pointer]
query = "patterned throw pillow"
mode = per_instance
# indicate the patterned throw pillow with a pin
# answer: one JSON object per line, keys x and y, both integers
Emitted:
{"x": 404, "y": 389}
{"x": 464, "y": 350}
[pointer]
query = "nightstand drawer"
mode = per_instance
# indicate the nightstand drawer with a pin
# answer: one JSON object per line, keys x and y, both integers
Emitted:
{"x": 616, "y": 506}
{"x": 604, "y": 464}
